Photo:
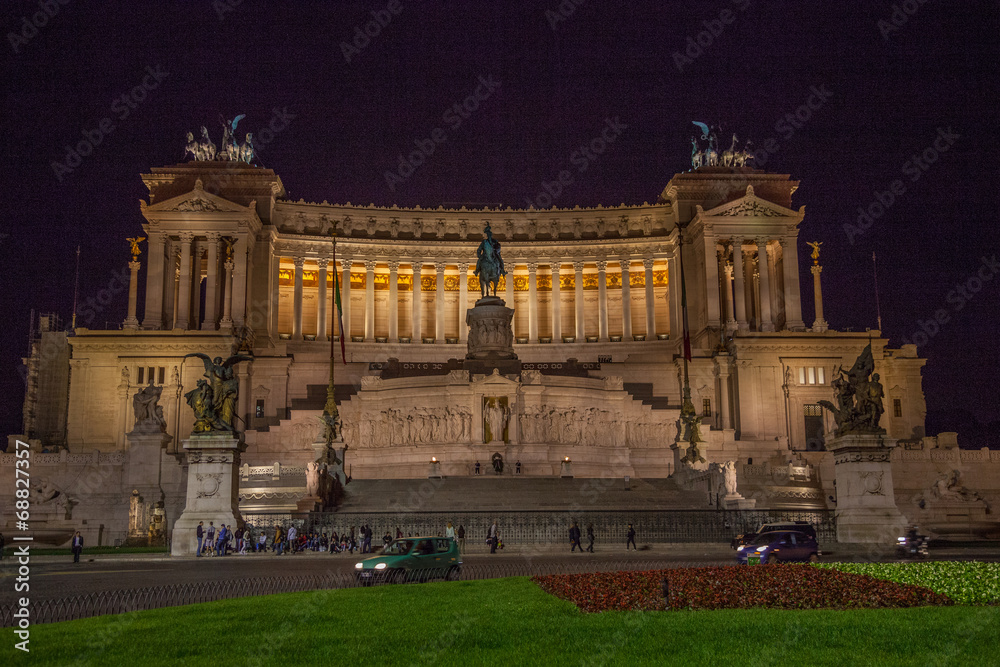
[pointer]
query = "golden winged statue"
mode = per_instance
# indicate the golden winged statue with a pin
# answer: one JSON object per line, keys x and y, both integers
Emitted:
{"x": 815, "y": 253}
{"x": 135, "y": 241}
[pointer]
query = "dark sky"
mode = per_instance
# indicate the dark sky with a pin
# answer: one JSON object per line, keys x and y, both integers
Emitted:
{"x": 892, "y": 91}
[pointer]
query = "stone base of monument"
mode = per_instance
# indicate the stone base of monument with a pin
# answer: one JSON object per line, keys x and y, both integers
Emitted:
{"x": 491, "y": 338}
{"x": 866, "y": 505}
{"x": 309, "y": 504}
{"x": 736, "y": 501}
{"x": 212, "y": 488}
{"x": 958, "y": 520}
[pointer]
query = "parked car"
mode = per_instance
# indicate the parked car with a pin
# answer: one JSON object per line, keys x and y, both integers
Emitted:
{"x": 412, "y": 559}
{"x": 801, "y": 526}
{"x": 779, "y": 546}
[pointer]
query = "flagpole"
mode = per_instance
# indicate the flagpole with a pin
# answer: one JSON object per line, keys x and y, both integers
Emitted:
{"x": 330, "y": 408}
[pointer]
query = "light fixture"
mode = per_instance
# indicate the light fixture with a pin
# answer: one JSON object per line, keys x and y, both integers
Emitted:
{"x": 434, "y": 459}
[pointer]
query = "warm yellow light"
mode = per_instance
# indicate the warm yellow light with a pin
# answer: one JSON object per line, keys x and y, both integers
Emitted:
{"x": 566, "y": 459}
{"x": 434, "y": 459}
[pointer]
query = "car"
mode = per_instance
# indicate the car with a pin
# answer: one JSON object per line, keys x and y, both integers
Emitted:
{"x": 779, "y": 546}
{"x": 801, "y": 526}
{"x": 412, "y": 559}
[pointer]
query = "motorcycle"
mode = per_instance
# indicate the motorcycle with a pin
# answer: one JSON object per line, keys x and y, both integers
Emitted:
{"x": 910, "y": 546}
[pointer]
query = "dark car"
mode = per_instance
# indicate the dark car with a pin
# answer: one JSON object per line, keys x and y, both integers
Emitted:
{"x": 412, "y": 559}
{"x": 801, "y": 526}
{"x": 779, "y": 546}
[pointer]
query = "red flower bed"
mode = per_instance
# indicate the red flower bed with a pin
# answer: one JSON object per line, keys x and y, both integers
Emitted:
{"x": 768, "y": 586}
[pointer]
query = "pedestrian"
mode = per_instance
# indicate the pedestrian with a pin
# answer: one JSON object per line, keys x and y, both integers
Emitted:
{"x": 590, "y": 537}
{"x": 449, "y": 531}
{"x": 477, "y": 467}
{"x": 399, "y": 533}
{"x": 262, "y": 541}
{"x": 293, "y": 534}
{"x": 278, "y": 545}
{"x": 631, "y": 538}
{"x": 200, "y": 533}
{"x": 239, "y": 540}
{"x": 210, "y": 537}
{"x": 461, "y": 538}
{"x": 493, "y": 537}
{"x": 517, "y": 467}
{"x": 220, "y": 542}
{"x": 574, "y": 538}
{"x": 77, "y": 546}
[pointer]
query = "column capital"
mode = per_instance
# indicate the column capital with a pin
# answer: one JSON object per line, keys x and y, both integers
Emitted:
{"x": 393, "y": 265}
{"x": 298, "y": 261}
{"x": 213, "y": 237}
{"x": 761, "y": 241}
{"x": 346, "y": 260}
{"x": 578, "y": 265}
{"x": 417, "y": 266}
{"x": 602, "y": 265}
{"x": 185, "y": 237}
{"x": 625, "y": 265}
{"x": 816, "y": 269}
{"x": 440, "y": 265}
{"x": 156, "y": 236}
{"x": 647, "y": 263}
{"x": 532, "y": 266}
{"x": 463, "y": 267}
{"x": 555, "y": 267}
{"x": 728, "y": 268}
{"x": 370, "y": 264}
{"x": 229, "y": 265}
{"x": 134, "y": 265}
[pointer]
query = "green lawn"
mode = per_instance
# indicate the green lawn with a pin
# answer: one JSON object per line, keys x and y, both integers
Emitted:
{"x": 506, "y": 622}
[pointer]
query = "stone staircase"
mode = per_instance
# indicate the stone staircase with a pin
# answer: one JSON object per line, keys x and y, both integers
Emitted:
{"x": 643, "y": 391}
{"x": 316, "y": 396}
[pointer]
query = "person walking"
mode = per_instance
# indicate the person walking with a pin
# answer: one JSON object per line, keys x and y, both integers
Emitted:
{"x": 631, "y": 538}
{"x": 200, "y": 534}
{"x": 279, "y": 540}
{"x": 574, "y": 538}
{"x": 77, "y": 546}
{"x": 461, "y": 539}
{"x": 590, "y": 538}
{"x": 493, "y": 537}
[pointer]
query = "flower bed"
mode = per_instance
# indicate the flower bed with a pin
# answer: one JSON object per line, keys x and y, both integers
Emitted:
{"x": 766, "y": 586}
{"x": 963, "y": 582}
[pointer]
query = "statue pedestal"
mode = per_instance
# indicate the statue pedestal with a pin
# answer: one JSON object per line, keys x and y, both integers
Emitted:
{"x": 866, "y": 506}
{"x": 212, "y": 488}
{"x": 736, "y": 501}
{"x": 566, "y": 469}
{"x": 491, "y": 339}
{"x": 435, "y": 470}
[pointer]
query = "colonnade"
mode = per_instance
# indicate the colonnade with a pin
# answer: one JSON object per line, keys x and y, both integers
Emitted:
{"x": 759, "y": 281}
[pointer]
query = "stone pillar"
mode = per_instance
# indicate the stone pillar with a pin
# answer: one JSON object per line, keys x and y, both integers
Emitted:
{"x": 370, "y": 301}
{"x": 416, "y": 333}
{"x": 156, "y": 278}
{"x": 866, "y": 504}
{"x": 240, "y": 252}
{"x": 227, "y": 303}
{"x": 509, "y": 284}
{"x": 393, "y": 301}
{"x": 212, "y": 488}
{"x": 578, "y": 286}
{"x": 321, "y": 298}
{"x": 763, "y": 270}
{"x": 819, "y": 324}
{"x": 345, "y": 297}
{"x": 299, "y": 261}
{"x": 674, "y": 296}
{"x": 131, "y": 321}
{"x": 739, "y": 286}
{"x": 171, "y": 276}
{"x": 728, "y": 283}
{"x": 602, "y": 300}
{"x": 722, "y": 399}
{"x": 212, "y": 282}
{"x": 793, "y": 298}
{"x": 463, "y": 300}
{"x": 184, "y": 288}
{"x": 647, "y": 264}
{"x": 196, "y": 252}
{"x": 555, "y": 304}
{"x": 712, "y": 280}
{"x": 439, "y": 268}
{"x": 532, "y": 302}
{"x": 626, "y": 265}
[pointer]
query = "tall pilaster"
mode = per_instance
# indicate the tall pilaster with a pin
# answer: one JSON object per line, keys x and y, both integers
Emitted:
{"x": 131, "y": 321}
{"x": 184, "y": 287}
{"x": 647, "y": 265}
{"x": 728, "y": 284}
{"x": 299, "y": 261}
{"x": 240, "y": 279}
{"x": 764, "y": 271}
{"x": 416, "y": 334}
{"x": 578, "y": 287}
{"x": 196, "y": 253}
{"x": 226, "y": 323}
{"x": 345, "y": 296}
{"x": 171, "y": 276}
{"x": 212, "y": 282}
{"x": 439, "y": 267}
{"x": 626, "y": 265}
{"x": 712, "y": 279}
{"x": 156, "y": 278}
{"x": 793, "y": 294}
{"x": 463, "y": 300}
{"x": 532, "y": 302}
{"x": 393, "y": 301}
{"x": 602, "y": 300}
{"x": 370, "y": 301}
{"x": 739, "y": 286}
{"x": 555, "y": 303}
{"x": 321, "y": 298}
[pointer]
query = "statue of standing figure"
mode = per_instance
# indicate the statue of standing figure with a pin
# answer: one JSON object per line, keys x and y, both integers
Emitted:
{"x": 489, "y": 263}
{"x": 496, "y": 418}
{"x": 729, "y": 477}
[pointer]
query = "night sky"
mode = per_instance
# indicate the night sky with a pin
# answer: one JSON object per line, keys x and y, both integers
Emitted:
{"x": 893, "y": 80}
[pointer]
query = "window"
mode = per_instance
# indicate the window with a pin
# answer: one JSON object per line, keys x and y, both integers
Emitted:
{"x": 802, "y": 376}
{"x": 706, "y": 407}
{"x": 813, "y": 417}
{"x": 821, "y": 375}
{"x": 811, "y": 374}
{"x": 140, "y": 375}
{"x": 897, "y": 408}
{"x": 259, "y": 409}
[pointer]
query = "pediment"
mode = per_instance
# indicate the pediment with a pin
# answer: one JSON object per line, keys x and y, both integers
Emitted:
{"x": 196, "y": 201}
{"x": 494, "y": 381}
{"x": 751, "y": 206}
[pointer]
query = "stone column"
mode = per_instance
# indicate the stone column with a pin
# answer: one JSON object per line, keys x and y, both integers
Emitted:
{"x": 156, "y": 277}
{"x": 131, "y": 321}
{"x": 602, "y": 300}
{"x": 722, "y": 400}
{"x": 370, "y": 301}
{"x": 299, "y": 261}
{"x": 345, "y": 296}
{"x": 647, "y": 264}
{"x": 321, "y": 298}
{"x": 739, "y": 286}
{"x": 728, "y": 282}
{"x": 227, "y": 303}
{"x": 393, "y": 301}
{"x": 211, "y": 282}
{"x": 509, "y": 284}
{"x": 196, "y": 252}
{"x": 626, "y": 265}
{"x": 532, "y": 302}
{"x": 463, "y": 301}
{"x": 793, "y": 298}
{"x": 674, "y": 296}
{"x": 415, "y": 335}
{"x": 439, "y": 268}
{"x": 763, "y": 270}
{"x": 819, "y": 324}
{"x": 555, "y": 304}
{"x": 712, "y": 280}
{"x": 171, "y": 275}
{"x": 578, "y": 287}
{"x": 240, "y": 252}
{"x": 184, "y": 288}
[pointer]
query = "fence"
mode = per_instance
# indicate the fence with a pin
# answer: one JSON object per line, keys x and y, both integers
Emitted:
{"x": 126, "y": 601}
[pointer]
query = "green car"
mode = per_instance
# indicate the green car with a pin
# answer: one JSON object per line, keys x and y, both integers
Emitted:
{"x": 412, "y": 559}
